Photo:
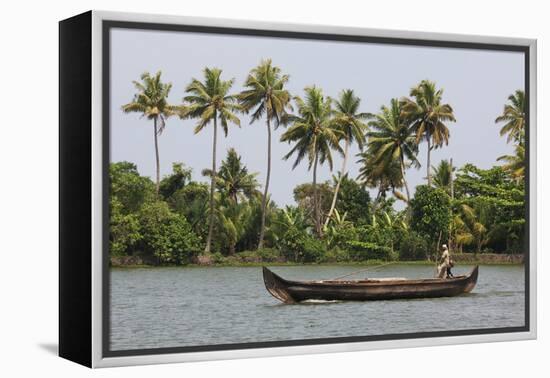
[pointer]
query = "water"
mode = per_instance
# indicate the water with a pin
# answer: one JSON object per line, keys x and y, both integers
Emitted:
{"x": 171, "y": 307}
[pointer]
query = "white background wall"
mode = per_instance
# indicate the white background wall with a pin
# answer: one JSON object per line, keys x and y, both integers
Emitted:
{"x": 28, "y": 198}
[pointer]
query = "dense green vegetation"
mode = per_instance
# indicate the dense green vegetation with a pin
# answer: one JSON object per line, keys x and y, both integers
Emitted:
{"x": 223, "y": 212}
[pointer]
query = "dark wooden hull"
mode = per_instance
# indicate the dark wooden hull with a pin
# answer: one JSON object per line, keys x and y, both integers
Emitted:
{"x": 367, "y": 290}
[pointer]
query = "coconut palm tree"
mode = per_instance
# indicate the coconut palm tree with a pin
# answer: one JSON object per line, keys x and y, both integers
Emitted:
{"x": 349, "y": 121}
{"x": 426, "y": 114}
{"x": 514, "y": 116}
{"x": 315, "y": 136}
{"x": 233, "y": 180}
{"x": 232, "y": 222}
{"x": 210, "y": 102}
{"x": 170, "y": 184}
{"x": 391, "y": 139}
{"x": 515, "y": 164}
{"x": 469, "y": 228}
{"x": 384, "y": 177}
{"x": 443, "y": 175}
{"x": 266, "y": 94}
{"x": 151, "y": 101}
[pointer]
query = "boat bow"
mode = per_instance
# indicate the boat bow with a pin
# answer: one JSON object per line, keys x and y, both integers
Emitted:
{"x": 277, "y": 286}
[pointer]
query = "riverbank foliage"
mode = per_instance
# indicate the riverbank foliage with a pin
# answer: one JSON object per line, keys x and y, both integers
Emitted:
{"x": 224, "y": 212}
{"x": 172, "y": 229}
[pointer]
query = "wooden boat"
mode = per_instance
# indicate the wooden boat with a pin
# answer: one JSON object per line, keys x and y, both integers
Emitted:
{"x": 367, "y": 290}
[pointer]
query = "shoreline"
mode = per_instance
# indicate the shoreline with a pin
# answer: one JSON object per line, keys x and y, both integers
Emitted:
{"x": 292, "y": 264}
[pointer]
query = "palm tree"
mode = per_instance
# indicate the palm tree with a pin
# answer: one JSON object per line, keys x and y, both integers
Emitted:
{"x": 233, "y": 180}
{"x": 391, "y": 139}
{"x": 151, "y": 102}
{"x": 210, "y": 101}
{"x": 383, "y": 177}
{"x": 232, "y": 222}
{"x": 514, "y": 116}
{"x": 348, "y": 120}
{"x": 315, "y": 136}
{"x": 469, "y": 228}
{"x": 443, "y": 175}
{"x": 515, "y": 164}
{"x": 426, "y": 114}
{"x": 191, "y": 201}
{"x": 265, "y": 92}
{"x": 170, "y": 184}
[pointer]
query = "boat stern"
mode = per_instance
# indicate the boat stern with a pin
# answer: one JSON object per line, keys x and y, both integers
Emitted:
{"x": 472, "y": 279}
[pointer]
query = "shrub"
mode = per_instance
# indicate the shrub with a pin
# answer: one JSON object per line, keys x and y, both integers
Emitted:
{"x": 218, "y": 258}
{"x": 431, "y": 213}
{"x": 376, "y": 235}
{"x": 354, "y": 200}
{"x": 131, "y": 189}
{"x": 301, "y": 247}
{"x": 123, "y": 230}
{"x": 248, "y": 256}
{"x": 166, "y": 235}
{"x": 338, "y": 236}
{"x": 313, "y": 250}
{"x": 335, "y": 255}
{"x": 289, "y": 244}
{"x": 262, "y": 255}
{"x": 269, "y": 254}
{"x": 413, "y": 247}
{"x": 362, "y": 251}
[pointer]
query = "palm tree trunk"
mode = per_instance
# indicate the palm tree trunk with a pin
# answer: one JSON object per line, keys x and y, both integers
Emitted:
{"x": 429, "y": 176}
{"x": 212, "y": 181}
{"x": 315, "y": 199}
{"x": 157, "y": 156}
{"x": 452, "y": 198}
{"x": 405, "y": 182}
{"x": 342, "y": 172}
{"x": 264, "y": 199}
{"x": 380, "y": 193}
{"x": 452, "y": 180}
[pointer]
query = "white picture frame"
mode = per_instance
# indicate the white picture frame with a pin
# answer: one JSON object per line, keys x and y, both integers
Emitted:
{"x": 90, "y": 31}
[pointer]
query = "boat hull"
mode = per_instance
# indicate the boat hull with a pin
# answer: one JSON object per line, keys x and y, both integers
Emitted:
{"x": 297, "y": 291}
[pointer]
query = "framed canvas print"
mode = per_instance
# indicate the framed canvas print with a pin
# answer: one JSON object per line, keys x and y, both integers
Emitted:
{"x": 232, "y": 189}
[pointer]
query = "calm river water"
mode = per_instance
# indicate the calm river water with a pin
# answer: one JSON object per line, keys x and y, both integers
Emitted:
{"x": 167, "y": 307}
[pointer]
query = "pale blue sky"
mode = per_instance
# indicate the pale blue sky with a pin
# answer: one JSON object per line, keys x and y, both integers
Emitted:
{"x": 476, "y": 83}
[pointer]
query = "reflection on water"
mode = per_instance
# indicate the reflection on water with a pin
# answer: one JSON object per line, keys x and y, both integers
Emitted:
{"x": 170, "y": 307}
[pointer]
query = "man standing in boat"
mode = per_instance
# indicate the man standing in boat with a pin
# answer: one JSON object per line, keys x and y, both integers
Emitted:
{"x": 444, "y": 263}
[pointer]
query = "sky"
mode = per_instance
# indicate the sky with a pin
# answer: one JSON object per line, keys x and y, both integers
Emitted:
{"x": 476, "y": 83}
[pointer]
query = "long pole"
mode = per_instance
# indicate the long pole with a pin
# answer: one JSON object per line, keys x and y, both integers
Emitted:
{"x": 362, "y": 270}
